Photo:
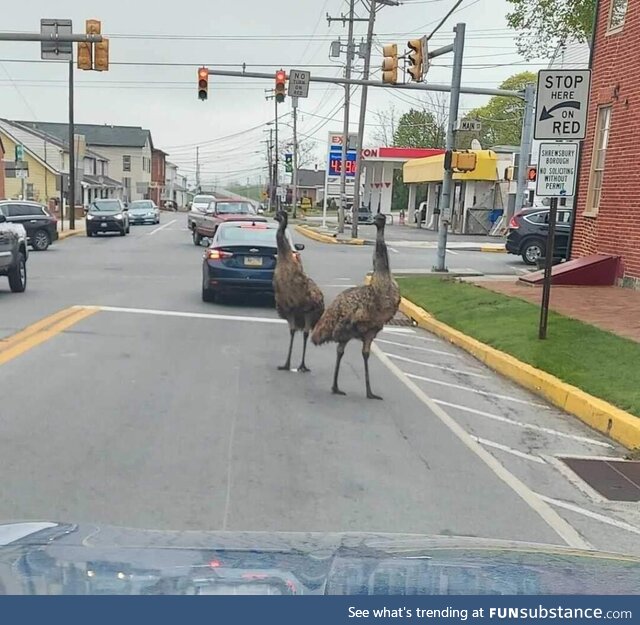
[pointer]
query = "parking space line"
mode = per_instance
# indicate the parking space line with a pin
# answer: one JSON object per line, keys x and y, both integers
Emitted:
{"x": 452, "y": 252}
{"x": 508, "y": 450}
{"x": 189, "y": 315}
{"x": 522, "y": 424}
{"x": 337, "y": 286}
{"x": 462, "y": 387}
{"x": 592, "y": 515}
{"x": 161, "y": 227}
{"x": 42, "y": 331}
{"x": 432, "y": 366}
{"x": 556, "y": 522}
{"x": 392, "y": 330}
{"x": 420, "y": 349}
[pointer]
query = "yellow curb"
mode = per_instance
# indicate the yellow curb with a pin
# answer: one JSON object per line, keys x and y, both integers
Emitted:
{"x": 325, "y": 238}
{"x": 495, "y": 250}
{"x": 70, "y": 233}
{"x": 621, "y": 426}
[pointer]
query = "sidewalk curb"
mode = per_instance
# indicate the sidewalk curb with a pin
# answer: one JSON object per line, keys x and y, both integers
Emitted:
{"x": 493, "y": 250}
{"x": 70, "y": 233}
{"x": 619, "y": 425}
{"x": 325, "y": 238}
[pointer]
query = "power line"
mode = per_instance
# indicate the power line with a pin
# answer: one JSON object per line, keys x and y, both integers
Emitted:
{"x": 445, "y": 18}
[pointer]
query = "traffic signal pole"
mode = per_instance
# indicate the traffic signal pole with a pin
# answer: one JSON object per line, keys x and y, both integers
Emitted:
{"x": 446, "y": 203}
{"x": 276, "y": 173}
{"x": 71, "y": 192}
{"x": 294, "y": 177}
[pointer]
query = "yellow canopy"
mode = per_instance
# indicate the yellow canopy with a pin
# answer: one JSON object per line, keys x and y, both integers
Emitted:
{"x": 431, "y": 168}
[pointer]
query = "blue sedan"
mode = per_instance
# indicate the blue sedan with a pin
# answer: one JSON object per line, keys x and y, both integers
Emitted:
{"x": 241, "y": 259}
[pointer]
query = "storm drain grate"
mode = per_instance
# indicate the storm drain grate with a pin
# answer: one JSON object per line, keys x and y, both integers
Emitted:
{"x": 400, "y": 320}
{"x": 616, "y": 480}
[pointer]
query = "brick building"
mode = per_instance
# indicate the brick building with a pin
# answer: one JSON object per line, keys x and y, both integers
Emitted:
{"x": 158, "y": 175}
{"x": 606, "y": 219}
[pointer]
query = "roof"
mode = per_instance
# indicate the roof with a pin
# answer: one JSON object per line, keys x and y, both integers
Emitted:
{"x": 310, "y": 178}
{"x": 431, "y": 169}
{"x": 100, "y": 181}
{"x": 98, "y": 135}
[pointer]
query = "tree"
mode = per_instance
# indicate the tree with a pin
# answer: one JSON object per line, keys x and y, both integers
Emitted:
{"x": 546, "y": 23}
{"x": 419, "y": 129}
{"x": 387, "y": 123}
{"x": 502, "y": 116}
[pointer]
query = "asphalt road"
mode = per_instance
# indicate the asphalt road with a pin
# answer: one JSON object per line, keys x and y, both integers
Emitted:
{"x": 159, "y": 411}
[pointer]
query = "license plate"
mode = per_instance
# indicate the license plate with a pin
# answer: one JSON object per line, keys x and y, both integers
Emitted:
{"x": 103, "y": 224}
{"x": 253, "y": 261}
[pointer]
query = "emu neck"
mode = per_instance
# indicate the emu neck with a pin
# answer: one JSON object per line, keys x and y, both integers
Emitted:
{"x": 381, "y": 256}
{"x": 284, "y": 249}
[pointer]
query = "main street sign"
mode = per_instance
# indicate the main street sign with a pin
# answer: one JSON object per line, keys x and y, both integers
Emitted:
{"x": 561, "y": 105}
{"x": 557, "y": 165}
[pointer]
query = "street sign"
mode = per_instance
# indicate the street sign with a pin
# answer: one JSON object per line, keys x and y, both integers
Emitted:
{"x": 19, "y": 152}
{"x": 299, "y": 83}
{"x": 56, "y": 50}
{"x": 557, "y": 164}
{"x": 561, "y": 105}
{"x": 471, "y": 125}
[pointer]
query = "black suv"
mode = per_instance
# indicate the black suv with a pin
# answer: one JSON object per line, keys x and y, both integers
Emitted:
{"x": 41, "y": 226}
{"x": 528, "y": 232}
{"x": 13, "y": 254}
{"x": 107, "y": 215}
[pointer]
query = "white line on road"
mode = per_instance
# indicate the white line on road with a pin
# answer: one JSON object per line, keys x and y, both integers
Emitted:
{"x": 161, "y": 227}
{"x": 392, "y": 330}
{"x": 420, "y": 349}
{"x": 508, "y": 450}
{"x": 452, "y": 252}
{"x": 188, "y": 315}
{"x": 475, "y": 390}
{"x": 337, "y": 286}
{"x": 522, "y": 424}
{"x": 394, "y": 250}
{"x": 432, "y": 366}
{"x": 535, "y": 502}
{"x": 592, "y": 515}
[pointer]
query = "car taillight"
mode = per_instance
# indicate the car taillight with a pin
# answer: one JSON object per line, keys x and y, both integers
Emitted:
{"x": 218, "y": 254}
{"x": 514, "y": 223}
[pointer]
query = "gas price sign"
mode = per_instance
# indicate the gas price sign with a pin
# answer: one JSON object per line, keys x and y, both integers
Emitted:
{"x": 335, "y": 162}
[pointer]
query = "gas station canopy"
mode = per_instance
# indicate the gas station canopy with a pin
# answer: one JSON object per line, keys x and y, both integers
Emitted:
{"x": 431, "y": 168}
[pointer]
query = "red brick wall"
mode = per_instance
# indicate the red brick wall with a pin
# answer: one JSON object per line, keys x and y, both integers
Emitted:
{"x": 158, "y": 170}
{"x": 615, "y": 82}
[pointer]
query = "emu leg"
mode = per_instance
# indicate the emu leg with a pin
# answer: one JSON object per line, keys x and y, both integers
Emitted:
{"x": 366, "y": 349}
{"x": 303, "y": 367}
{"x": 339, "y": 354}
{"x": 287, "y": 365}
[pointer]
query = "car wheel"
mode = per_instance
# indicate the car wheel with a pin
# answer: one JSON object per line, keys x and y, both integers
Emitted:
{"x": 40, "y": 240}
{"x": 208, "y": 296}
{"x": 532, "y": 251}
{"x": 197, "y": 239}
{"x": 18, "y": 276}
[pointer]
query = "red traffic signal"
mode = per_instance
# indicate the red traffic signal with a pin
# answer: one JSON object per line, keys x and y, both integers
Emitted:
{"x": 532, "y": 174}
{"x": 281, "y": 80}
{"x": 203, "y": 83}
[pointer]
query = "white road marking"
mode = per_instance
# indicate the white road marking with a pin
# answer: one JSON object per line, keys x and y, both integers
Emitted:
{"x": 337, "y": 286}
{"x": 432, "y": 366}
{"x": 188, "y": 315}
{"x": 420, "y": 349}
{"x": 509, "y": 450}
{"x": 452, "y": 252}
{"x": 477, "y": 391}
{"x": 522, "y": 424}
{"x": 394, "y": 250}
{"x": 232, "y": 436}
{"x": 427, "y": 339}
{"x": 592, "y": 515}
{"x": 343, "y": 279}
{"x": 161, "y": 227}
{"x": 534, "y": 501}
{"x": 392, "y": 330}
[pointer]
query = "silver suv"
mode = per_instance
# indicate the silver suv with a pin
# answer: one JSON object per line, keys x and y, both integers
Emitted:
{"x": 13, "y": 254}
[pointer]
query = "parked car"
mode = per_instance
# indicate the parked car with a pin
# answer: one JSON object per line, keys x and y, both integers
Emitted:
{"x": 107, "y": 215}
{"x": 40, "y": 225}
{"x": 221, "y": 211}
{"x": 365, "y": 216}
{"x": 197, "y": 210}
{"x": 241, "y": 258}
{"x": 143, "y": 212}
{"x": 13, "y": 254}
{"x": 528, "y": 230}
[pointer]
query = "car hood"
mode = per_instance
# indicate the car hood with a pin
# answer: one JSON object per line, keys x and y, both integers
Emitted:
{"x": 241, "y": 217}
{"x": 63, "y": 558}
{"x": 17, "y": 229}
{"x": 141, "y": 211}
{"x": 104, "y": 213}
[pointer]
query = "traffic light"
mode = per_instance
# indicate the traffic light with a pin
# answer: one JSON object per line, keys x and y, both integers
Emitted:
{"x": 390, "y": 64}
{"x": 416, "y": 59}
{"x": 203, "y": 83}
{"x": 101, "y": 56}
{"x": 288, "y": 163}
{"x": 532, "y": 173}
{"x": 281, "y": 80}
{"x": 460, "y": 161}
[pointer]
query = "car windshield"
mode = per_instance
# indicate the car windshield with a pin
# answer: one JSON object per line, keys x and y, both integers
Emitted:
{"x": 233, "y": 208}
{"x": 141, "y": 204}
{"x": 246, "y": 234}
{"x": 203, "y": 199}
{"x": 105, "y": 205}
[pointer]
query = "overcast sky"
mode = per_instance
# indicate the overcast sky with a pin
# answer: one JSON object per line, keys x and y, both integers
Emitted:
{"x": 266, "y": 35}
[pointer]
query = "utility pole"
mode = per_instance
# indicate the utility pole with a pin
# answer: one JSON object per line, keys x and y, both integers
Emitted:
{"x": 72, "y": 154}
{"x": 345, "y": 125}
{"x": 270, "y": 170}
{"x": 294, "y": 178}
{"x": 525, "y": 145}
{"x": 363, "y": 108}
{"x": 197, "y": 169}
{"x": 447, "y": 182}
{"x": 276, "y": 158}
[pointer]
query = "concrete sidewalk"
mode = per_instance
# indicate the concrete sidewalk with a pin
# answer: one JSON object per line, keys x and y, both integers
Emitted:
{"x": 64, "y": 229}
{"x": 607, "y": 307}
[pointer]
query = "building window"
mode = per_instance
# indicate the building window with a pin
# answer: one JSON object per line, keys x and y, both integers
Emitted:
{"x": 126, "y": 162}
{"x": 601, "y": 139}
{"x": 617, "y": 13}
